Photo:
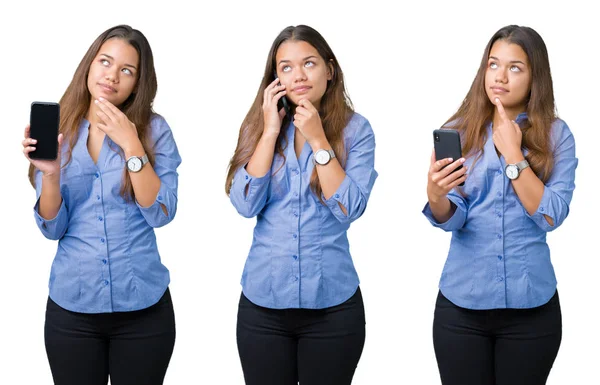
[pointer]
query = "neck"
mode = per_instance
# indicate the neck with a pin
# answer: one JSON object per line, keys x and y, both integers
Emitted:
{"x": 511, "y": 112}
{"x": 92, "y": 116}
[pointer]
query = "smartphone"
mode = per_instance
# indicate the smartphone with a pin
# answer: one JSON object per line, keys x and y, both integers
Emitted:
{"x": 447, "y": 145}
{"x": 44, "y": 120}
{"x": 282, "y": 102}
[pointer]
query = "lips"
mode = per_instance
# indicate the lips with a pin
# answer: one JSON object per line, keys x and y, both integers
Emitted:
{"x": 301, "y": 89}
{"x": 107, "y": 88}
{"x": 499, "y": 90}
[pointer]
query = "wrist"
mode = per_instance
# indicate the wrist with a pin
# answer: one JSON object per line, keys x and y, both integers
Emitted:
{"x": 134, "y": 149}
{"x": 51, "y": 177}
{"x": 319, "y": 144}
{"x": 514, "y": 158}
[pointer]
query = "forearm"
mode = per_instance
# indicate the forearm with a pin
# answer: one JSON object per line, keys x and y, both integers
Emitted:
{"x": 262, "y": 159}
{"x": 145, "y": 183}
{"x": 441, "y": 209}
{"x": 50, "y": 198}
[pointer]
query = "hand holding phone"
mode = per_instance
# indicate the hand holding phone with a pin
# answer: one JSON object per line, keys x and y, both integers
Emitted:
{"x": 447, "y": 145}
{"x": 282, "y": 102}
{"x": 44, "y": 121}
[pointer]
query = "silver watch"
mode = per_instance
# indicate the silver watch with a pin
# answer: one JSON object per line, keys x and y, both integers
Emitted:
{"x": 322, "y": 157}
{"x": 513, "y": 170}
{"x": 135, "y": 163}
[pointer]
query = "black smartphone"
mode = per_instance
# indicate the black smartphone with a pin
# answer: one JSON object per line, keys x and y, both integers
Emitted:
{"x": 282, "y": 102}
{"x": 44, "y": 120}
{"x": 447, "y": 145}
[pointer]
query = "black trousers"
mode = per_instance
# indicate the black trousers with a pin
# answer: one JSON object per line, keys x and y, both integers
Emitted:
{"x": 496, "y": 347}
{"x": 134, "y": 348}
{"x": 313, "y": 347}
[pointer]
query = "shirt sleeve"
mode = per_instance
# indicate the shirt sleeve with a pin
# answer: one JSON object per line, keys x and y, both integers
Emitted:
{"x": 354, "y": 191}
{"x": 249, "y": 194}
{"x": 457, "y": 220}
{"x": 558, "y": 189}
{"x": 166, "y": 161}
{"x": 53, "y": 228}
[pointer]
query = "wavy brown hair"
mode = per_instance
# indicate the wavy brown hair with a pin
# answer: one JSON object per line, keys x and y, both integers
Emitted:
{"x": 477, "y": 111}
{"x": 75, "y": 103}
{"x": 336, "y": 108}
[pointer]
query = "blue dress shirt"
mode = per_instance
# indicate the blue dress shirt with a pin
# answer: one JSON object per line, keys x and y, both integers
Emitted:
{"x": 300, "y": 256}
{"x": 498, "y": 255}
{"x": 107, "y": 258}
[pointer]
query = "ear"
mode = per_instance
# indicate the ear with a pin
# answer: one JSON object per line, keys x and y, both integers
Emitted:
{"x": 330, "y": 70}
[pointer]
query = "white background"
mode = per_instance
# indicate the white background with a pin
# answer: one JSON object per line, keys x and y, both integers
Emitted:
{"x": 407, "y": 69}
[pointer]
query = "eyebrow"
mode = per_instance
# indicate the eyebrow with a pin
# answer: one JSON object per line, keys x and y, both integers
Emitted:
{"x": 112, "y": 58}
{"x": 512, "y": 61}
{"x": 306, "y": 58}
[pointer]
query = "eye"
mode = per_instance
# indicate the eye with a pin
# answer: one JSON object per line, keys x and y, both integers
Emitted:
{"x": 493, "y": 65}
{"x": 309, "y": 64}
{"x": 515, "y": 69}
{"x": 104, "y": 62}
{"x": 286, "y": 68}
{"x": 127, "y": 71}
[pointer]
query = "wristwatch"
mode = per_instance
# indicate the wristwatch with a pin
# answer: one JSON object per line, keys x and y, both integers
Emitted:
{"x": 513, "y": 170}
{"x": 322, "y": 157}
{"x": 135, "y": 163}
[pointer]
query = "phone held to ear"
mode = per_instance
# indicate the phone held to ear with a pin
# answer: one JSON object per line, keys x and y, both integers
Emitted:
{"x": 282, "y": 102}
{"x": 44, "y": 121}
{"x": 447, "y": 145}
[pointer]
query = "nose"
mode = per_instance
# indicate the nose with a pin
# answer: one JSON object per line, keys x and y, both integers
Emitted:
{"x": 299, "y": 74}
{"x": 111, "y": 74}
{"x": 501, "y": 75}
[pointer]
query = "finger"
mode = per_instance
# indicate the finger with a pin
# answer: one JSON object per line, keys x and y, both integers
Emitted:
{"x": 500, "y": 109}
{"x": 111, "y": 107}
{"x": 27, "y": 150}
{"x": 282, "y": 114}
{"x": 27, "y": 131}
{"x": 28, "y": 141}
{"x": 458, "y": 181}
{"x": 105, "y": 113}
{"x": 302, "y": 111}
{"x": 60, "y": 140}
{"x": 307, "y": 104}
{"x": 102, "y": 127}
{"x": 432, "y": 159}
{"x": 452, "y": 176}
{"x": 440, "y": 164}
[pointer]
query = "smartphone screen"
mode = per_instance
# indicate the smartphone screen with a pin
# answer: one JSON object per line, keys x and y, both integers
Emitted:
{"x": 447, "y": 145}
{"x": 44, "y": 120}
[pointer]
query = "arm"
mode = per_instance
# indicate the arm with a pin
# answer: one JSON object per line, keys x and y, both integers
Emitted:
{"x": 156, "y": 186}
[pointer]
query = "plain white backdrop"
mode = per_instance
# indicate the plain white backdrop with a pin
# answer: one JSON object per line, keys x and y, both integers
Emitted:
{"x": 407, "y": 69}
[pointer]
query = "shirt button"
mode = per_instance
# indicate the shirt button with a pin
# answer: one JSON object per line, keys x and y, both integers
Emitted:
{"x": 102, "y": 240}
{"x": 104, "y": 261}
{"x": 246, "y": 177}
{"x": 500, "y": 257}
{"x": 295, "y": 194}
{"x": 105, "y": 282}
{"x": 295, "y": 236}
{"x": 500, "y": 279}
{"x": 337, "y": 195}
{"x": 499, "y": 172}
{"x": 499, "y": 194}
{"x": 97, "y": 175}
{"x": 295, "y": 214}
{"x": 541, "y": 209}
{"x": 160, "y": 197}
{"x": 295, "y": 278}
{"x": 499, "y": 236}
{"x": 295, "y": 256}
{"x": 100, "y": 219}
{"x": 499, "y": 215}
{"x": 97, "y": 197}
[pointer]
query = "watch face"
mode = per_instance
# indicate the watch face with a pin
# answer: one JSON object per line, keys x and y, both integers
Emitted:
{"x": 322, "y": 157}
{"x": 134, "y": 164}
{"x": 512, "y": 172}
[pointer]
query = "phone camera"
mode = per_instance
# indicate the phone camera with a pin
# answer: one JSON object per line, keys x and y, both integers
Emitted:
{"x": 436, "y": 137}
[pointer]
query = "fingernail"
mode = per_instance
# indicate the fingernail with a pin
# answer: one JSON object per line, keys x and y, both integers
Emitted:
{"x": 496, "y": 100}
{"x": 96, "y": 101}
{"x": 462, "y": 160}
{"x": 33, "y": 141}
{"x": 449, "y": 159}
{"x": 101, "y": 98}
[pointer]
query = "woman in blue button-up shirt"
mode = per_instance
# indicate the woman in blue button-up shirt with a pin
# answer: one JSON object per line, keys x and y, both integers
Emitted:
{"x": 109, "y": 310}
{"x": 497, "y": 318}
{"x": 306, "y": 172}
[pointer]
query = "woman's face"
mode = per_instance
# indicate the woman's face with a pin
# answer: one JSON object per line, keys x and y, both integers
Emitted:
{"x": 114, "y": 71}
{"x": 508, "y": 76}
{"x": 303, "y": 72}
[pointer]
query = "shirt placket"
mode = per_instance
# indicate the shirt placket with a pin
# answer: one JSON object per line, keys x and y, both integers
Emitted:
{"x": 500, "y": 194}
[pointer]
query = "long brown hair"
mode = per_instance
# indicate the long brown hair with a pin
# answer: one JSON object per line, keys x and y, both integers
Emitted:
{"x": 75, "y": 102}
{"x": 336, "y": 107}
{"x": 477, "y": 111}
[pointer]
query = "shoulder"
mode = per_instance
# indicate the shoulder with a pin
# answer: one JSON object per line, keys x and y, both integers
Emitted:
{"x": 159, "y": 126}
{"x": 560, "y": 132}
{"x": 358, "y": 127}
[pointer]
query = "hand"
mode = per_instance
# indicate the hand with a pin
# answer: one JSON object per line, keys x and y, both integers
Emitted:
{"x": 117, "y": 126}
{"x": 507, "y": 136}
{"x": 272, "y": 117}
{"x": 47, "y": 167}
{"x": 441, "y": 179}
{"x": 308, "y": 122}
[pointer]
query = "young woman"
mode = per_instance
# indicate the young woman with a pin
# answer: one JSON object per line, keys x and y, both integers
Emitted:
{"x": 497, "y": 317}
{"x": 306, "y": 174}
{"x": 109, "y": 311}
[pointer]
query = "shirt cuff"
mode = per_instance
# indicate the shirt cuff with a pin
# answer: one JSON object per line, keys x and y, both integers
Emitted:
{"x": 252, "y": 182}
{"x": 544, "y": 208}
{"x": 51, "y": 228}
{"x": 455, "y": 222}
{"x": 340, "y": 196}
{"x": 154, "y": 214}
